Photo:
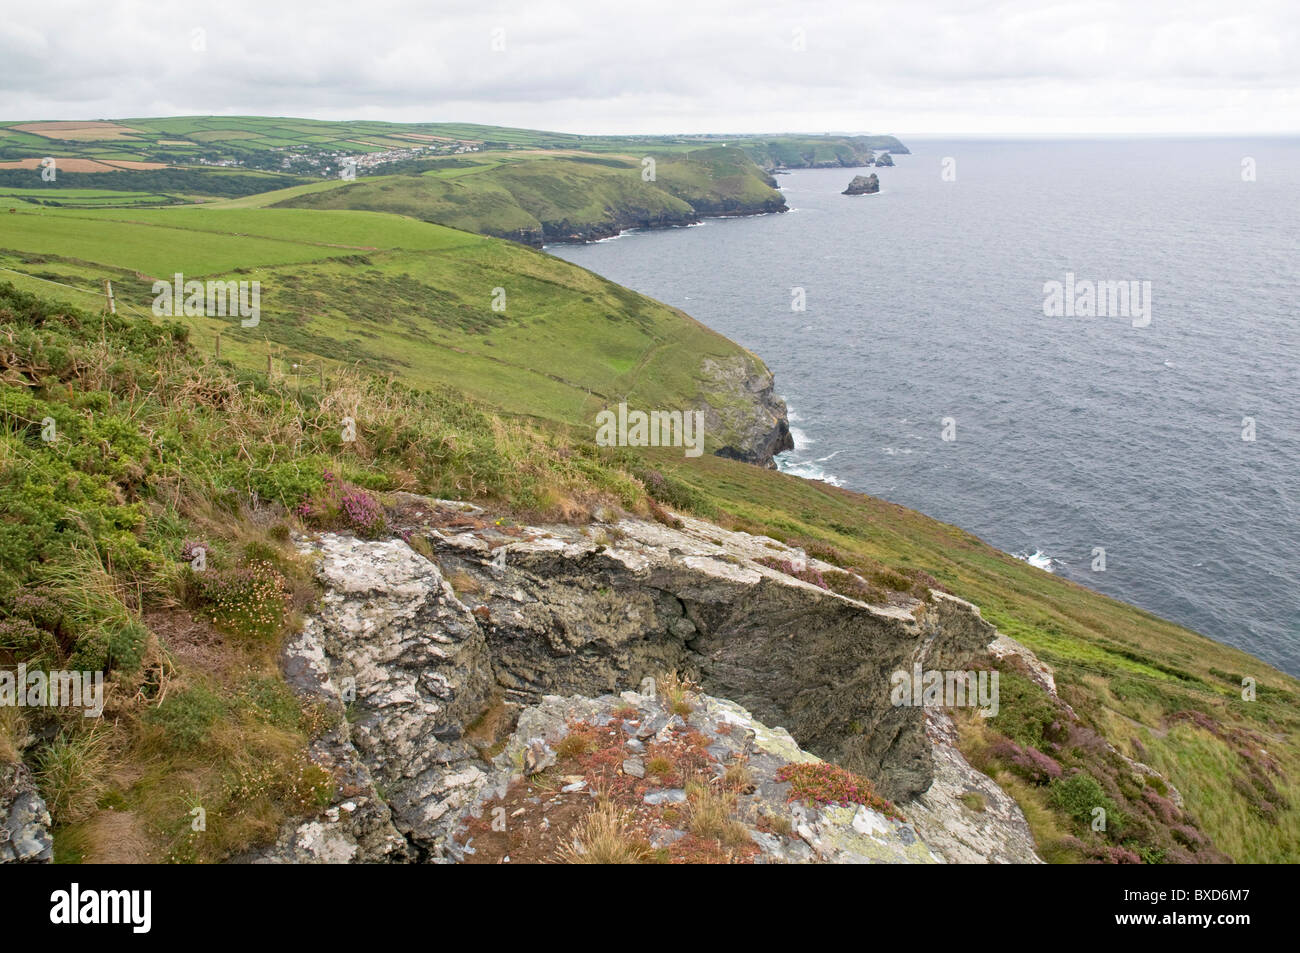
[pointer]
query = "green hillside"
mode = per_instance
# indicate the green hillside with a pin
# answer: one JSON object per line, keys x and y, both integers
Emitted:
{"x": 535, "y": 199}
{"x": 391, "y": 295}
{"x": 261, "y": 139}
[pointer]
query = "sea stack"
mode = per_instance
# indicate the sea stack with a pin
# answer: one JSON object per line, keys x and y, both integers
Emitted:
{"x": 863, "y": 185}
{"x": 884, "y": 159}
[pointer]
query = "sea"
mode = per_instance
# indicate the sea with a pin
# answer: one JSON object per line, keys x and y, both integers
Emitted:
{"x": 936, "y": 347}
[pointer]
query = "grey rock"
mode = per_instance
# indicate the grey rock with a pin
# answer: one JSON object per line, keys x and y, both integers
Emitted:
{"x": 24, "y": 820}
{"x": 665, "y": 837}
{"x": 634, "y": 767}
{"x": 863, "y": 185}
{"x": 538, "y": 756}
{"x": 999, "y": 834}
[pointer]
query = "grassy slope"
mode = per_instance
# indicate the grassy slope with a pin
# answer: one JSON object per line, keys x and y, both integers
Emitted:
{"x": 394, "y": 295}
{"x": 536, "y": 198}
{"x": 1124, "y": 670}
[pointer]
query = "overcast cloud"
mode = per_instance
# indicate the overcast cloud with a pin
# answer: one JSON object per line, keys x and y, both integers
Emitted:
{"x": 1159, "y": 66}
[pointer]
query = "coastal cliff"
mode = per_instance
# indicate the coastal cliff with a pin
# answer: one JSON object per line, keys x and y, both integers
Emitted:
{"x": 742, "y": 406}
{"x": 570, "y": 198}
{"x": 821, "y": 152}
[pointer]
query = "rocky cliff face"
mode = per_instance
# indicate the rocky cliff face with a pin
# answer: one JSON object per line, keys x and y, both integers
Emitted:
{"x": 618, "y": 221}
{"x": 464, "y": 621}
{"x": 743, "y": 407}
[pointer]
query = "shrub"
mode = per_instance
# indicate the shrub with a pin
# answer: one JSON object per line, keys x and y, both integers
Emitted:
{"x": 784, "y": 565}
{"x": 1078, "y": 795}
{"x": 847, "y": 584}
{"x": 21, "y": 639}
{"x": 1027, "y": 714}
{"x": 340, "y": 505}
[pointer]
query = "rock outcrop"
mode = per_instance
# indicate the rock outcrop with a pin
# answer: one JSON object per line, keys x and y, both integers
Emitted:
{"x": 420, "y": 638}
{"x": 710, "y": 753}
{"x": 884, "y": 159}
{"x": 863, "y": 185}
{"x": 964, "y": 816}
{"x": 743, "y": 407}
{"x": 24, "y": 821}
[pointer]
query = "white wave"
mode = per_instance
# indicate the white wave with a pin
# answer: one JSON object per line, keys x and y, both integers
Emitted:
{"x": 1037, "y": 558}
{"x": 801, "y": 440}
{"x": 808, "y": 470}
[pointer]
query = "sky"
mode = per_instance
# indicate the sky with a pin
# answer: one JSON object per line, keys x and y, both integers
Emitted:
{"x": 622, "y": 66}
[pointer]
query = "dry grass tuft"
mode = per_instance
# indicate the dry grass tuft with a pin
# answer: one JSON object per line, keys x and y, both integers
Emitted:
{"x": 603, "y": 837}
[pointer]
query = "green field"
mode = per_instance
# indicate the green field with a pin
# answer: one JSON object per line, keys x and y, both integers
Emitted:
{"x": 392, "y": 294}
